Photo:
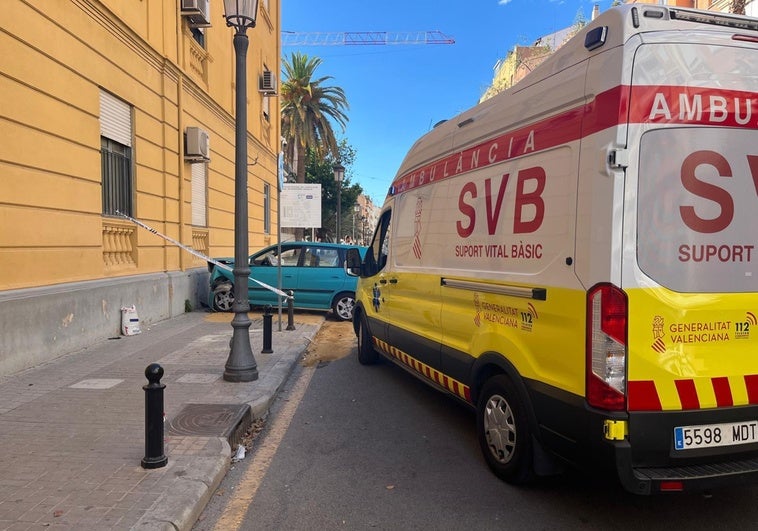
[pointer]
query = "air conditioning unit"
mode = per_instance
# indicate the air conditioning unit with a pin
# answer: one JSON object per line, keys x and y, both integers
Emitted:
{"x": 196, "y": 145}
{"x": 197, "y": 13}
{"x": 267, "y": 83}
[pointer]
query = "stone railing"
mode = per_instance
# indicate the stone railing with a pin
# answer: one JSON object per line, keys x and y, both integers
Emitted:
{"x": 119, "y": 245}
{"x": 200, "y": 244}
{"x": 198, "y": 60}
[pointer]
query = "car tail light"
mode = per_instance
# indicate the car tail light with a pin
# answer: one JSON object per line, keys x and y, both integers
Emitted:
{"x": 606, "y": 347}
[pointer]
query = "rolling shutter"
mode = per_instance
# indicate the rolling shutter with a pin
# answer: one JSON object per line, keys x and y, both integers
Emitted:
{"x": 115, "y": 119}
{"x": 199, "y": 179}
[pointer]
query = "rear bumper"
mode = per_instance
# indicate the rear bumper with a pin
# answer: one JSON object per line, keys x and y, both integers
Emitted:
{"x": 648, "y": 463}
{"x": 645, "y": 461}
{"x": 687, "y": 478}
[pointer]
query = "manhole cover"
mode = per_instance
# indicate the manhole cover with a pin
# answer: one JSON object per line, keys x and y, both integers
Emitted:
{"x": 211, "y": 420}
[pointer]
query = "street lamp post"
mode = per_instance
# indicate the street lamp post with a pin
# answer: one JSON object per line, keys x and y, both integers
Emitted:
{"x": 240, "y": 366}
{"x": 339, "y": 174}
{"x": 356, "y": 209}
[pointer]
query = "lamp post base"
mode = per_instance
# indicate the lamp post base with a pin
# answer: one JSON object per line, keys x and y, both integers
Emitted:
{"x": 241, "y": 366}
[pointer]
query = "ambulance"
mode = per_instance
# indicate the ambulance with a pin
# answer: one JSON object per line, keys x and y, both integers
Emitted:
{"x": 576, "y": 257}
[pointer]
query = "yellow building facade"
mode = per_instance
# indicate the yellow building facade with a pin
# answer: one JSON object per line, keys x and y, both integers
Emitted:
{"x": 110, "y": 106}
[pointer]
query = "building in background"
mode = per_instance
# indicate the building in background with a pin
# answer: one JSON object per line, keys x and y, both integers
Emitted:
{"x": 115, "y": 107}
{"x": 523, "y": 59}
{"x": 365, "y": 214}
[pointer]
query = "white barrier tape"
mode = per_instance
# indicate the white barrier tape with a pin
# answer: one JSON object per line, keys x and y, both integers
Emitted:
{"x": 199, "y": 254}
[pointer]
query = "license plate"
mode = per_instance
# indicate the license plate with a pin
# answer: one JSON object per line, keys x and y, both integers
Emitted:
{"x": 710, "y": 435}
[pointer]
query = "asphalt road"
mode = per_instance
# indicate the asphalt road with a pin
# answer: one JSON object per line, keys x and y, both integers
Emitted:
{"x": 373, "y": 448}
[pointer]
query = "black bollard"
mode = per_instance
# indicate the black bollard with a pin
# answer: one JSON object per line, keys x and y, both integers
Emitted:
{"x": 291, "y": 311}
{"x": 154, "y": 457}
{"x": 267, "y": 330}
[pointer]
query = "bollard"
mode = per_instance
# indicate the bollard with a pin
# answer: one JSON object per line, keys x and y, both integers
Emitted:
{"x": 154, "y": 456}
{"x": 291, "y": 311}
{"x": 267, "y": 330}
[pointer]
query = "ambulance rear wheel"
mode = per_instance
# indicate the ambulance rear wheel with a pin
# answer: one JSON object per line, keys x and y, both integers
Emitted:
{"x": 503, "y": 431}
{"x": 366, "y": 353}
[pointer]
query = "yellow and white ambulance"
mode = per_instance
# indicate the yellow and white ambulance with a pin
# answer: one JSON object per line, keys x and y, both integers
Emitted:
{"x": 576, "y": 257}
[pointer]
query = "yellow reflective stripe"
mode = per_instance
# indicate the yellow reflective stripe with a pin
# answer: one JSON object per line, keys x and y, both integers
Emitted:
{"x": 739, "y": 390}
{"x": 427, "y": 371}
{"x": 668, "y": 395}
{"x": 705, "y": 394}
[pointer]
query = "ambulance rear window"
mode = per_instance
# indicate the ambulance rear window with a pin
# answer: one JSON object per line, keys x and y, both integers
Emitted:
{"x": 698, "y": 209}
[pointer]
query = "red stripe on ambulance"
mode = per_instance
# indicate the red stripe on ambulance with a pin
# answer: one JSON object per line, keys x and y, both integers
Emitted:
{"x": 723, "y": 392}
{"x": 643, "y": 396}
{"x": 639, "y": 104}
{"x": 687, "y": 394}
{"x": 751, "y": 383}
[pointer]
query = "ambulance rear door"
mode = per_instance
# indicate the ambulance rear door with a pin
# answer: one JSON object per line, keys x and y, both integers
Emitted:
{"x": 690, "y": 248}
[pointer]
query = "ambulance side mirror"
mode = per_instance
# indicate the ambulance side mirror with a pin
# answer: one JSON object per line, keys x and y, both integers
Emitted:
{"x": 353, "y": 262}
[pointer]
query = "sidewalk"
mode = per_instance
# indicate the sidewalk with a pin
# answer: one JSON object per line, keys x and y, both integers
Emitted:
{"x": 72, "y": 432}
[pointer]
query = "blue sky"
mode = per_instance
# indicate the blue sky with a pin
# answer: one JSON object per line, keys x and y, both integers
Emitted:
{"x": 396, "y": 93}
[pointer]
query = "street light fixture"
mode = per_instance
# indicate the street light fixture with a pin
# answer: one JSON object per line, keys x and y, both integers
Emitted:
{"x": 240, "y": 366}
{"x": 339, "y": 174}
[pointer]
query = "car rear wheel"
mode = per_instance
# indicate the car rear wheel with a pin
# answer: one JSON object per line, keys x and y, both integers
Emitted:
{"x": 503, "y": 431}
{"x": 343, "y": 306}
{"x": 223, "y": 297}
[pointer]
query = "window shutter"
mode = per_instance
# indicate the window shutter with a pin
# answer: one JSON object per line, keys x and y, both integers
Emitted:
{"x": 115, "y": 119}
{"x": 199, "y": 178}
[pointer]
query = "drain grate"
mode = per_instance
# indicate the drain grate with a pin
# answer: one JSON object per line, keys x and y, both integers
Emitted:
{"x": 212, "y": 420}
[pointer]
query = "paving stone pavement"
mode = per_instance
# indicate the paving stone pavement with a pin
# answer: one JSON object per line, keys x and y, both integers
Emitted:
{"x": 72, "y": 431}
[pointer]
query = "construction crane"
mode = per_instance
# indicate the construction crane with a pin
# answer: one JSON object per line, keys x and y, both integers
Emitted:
{"x": 364, "y": 38}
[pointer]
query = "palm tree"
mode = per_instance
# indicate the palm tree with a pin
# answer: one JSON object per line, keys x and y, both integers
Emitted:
{"x": 308, "y": 109}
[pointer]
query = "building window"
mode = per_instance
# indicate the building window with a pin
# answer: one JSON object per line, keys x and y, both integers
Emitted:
{"x": 199, "y": 35}
{"x": 116, "y": 156}
{"x": 266, "y": 109}
{"x": 117, "y": 177}
{"x": 265, "y": 106}
{"x": 199, "y": 194}
{"x": 266, "y": 208}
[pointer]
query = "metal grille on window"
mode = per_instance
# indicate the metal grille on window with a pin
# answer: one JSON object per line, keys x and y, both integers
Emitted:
{"x": 117, "y": 177}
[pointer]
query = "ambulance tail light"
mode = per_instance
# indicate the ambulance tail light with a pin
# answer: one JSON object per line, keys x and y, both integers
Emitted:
{"x": 606, "y": 347}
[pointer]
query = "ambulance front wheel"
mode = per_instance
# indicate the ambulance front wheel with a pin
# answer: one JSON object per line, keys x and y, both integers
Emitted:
{"x": 503, "y": 431}
{"x": 366, "y": 353}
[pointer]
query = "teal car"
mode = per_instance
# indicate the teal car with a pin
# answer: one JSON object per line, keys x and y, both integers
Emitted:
{"x": 315, "y": 272}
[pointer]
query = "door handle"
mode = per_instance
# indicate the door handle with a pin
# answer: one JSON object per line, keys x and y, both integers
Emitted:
{"x": 393, "y": 281}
